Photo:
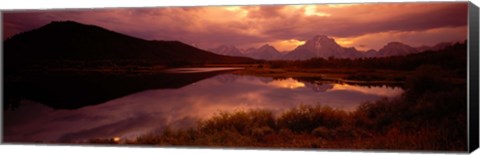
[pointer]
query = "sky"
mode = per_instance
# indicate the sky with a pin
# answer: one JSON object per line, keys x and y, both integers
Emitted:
{"x": 363, "y": 26}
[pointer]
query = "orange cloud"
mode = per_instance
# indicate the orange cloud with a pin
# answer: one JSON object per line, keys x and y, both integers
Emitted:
{"x": 367, "y": 25}
{"x": 287, "y": 45}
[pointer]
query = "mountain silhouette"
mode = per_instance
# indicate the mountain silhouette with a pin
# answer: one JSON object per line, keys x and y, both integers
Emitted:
{"x": 321, "y": 46}
{"x": 265, "y": 52}
{"x": 228, "y": 50}
{"x": 395, "y": 49}
{"x": 437, "y": 47}
{"x": 69, "y": 40}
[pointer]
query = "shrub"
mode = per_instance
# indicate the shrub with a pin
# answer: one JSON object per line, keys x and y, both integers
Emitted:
{"x": 239, "y": 121}
{"x": 306, "y": 118}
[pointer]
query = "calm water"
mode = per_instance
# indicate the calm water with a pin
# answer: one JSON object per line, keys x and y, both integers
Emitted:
{"x": 152, "y": 109}
{"x": 199, "y": 70}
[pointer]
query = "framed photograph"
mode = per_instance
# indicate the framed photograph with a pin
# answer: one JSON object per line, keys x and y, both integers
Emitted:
{"x": 354, "y": 76}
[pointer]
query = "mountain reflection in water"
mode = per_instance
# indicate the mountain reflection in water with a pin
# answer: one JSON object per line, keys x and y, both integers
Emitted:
{"x": 153, "y": 109}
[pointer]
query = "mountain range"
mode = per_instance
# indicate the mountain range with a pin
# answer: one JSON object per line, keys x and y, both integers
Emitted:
{"x": 265, "y": 52}
{"x": 69, "y": 40}
{"x": 321, "y": 46}
{"x": 228, "y": 50}
{"x": 325, "y": 47}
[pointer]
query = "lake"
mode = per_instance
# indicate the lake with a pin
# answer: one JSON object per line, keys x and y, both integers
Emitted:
{"x": 130, "y": 106}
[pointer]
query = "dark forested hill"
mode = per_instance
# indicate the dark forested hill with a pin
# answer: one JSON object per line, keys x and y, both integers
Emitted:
{"x": 68, "y": 40}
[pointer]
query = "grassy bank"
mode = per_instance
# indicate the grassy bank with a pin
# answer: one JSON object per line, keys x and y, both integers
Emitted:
{"x": 430, "y": 115}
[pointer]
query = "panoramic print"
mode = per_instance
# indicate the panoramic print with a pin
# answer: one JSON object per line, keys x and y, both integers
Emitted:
{"x": 373, "y": 76}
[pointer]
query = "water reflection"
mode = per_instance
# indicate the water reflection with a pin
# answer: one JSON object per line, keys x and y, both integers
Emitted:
{"x": 76, "y": 90}
{"x": 151, "y": 110}
{"x": 287, "y": 83}
{"x": 200, "y": 70}
{"x": 378, "y": 90}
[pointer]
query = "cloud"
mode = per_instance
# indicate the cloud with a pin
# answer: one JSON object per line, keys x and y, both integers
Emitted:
{"x": 428, "y": 37}
{"x": 244, "y": 26}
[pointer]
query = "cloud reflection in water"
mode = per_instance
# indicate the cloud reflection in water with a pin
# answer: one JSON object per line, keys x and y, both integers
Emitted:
{"x": 151, "y": 110}
{"x": 287, "y": 83}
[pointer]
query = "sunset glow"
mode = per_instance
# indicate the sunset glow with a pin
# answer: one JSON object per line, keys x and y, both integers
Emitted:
{"x": 287, "y": 45}
{"x": 363, "y": 26}
{"x": 340, "y": 5}
{"x": 345, "y": 42}
{"x": 312, "y": 11}
{"x": 326, "y": 76}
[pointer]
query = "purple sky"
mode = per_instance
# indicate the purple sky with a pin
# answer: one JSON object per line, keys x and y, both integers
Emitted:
{"x": 364, "y": 26}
